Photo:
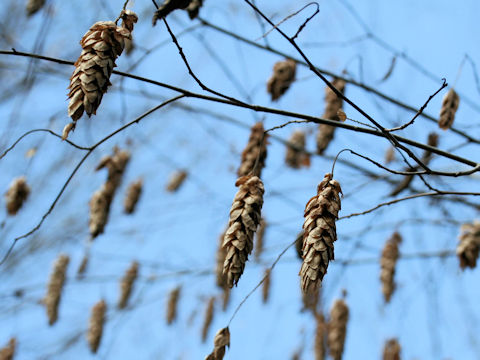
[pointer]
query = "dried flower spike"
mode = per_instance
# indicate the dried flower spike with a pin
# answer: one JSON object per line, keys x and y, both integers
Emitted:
{"x": 17, "y": 194}
{"x": 221, "y": 279}
{"x": 54, "y": 288}
{"x": 296, "y": 156}
{"x": 255, "y": 153}
{"x": 176, "y": 180}
{"x": 337, "y": 329}
{"x": 208, "y": 318}
{"x": 266, "y": 285}
{"x": 282, "y": 77}
{"x": 450, "y": 103}
{"x": 320, "y": 337}
{"x": 392, "y": 350}
{"x": 101, "y": 45}
{"x": 245, "y": 216}
{"x": 468, "y": 247}
{"x": 95, "y": 326}
{"x": 133, "y": 195}
{"x": 33, "y": 6}
{"x": 333, "y": 104}
{"x": 220, "y": 342}
{"x": 319, "y": 234}
{"x": 387, "y": 264}
{"x": 172, "y": 305}
{"x": 126, "y": 285}
{"x": 167, "y": 7}
{"x": 259, "y": 236}
{"x": 8, "y": 351}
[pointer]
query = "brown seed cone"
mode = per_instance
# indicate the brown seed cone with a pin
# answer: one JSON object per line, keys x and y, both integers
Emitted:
{"x": 389, "y": 155}
{"x": 387, "y": 264}
{"x": 245, "y": 216}
{"x": 33, "y": 6}
{"x": 208, "y": 318}
{"x": 176, "y": 180}
{"x": 266, "y": 285}
{"x": 320, "y": 337}
{"x": 194, "y": 8}
{"x": 468, "y": 247}
{"x": 54, "y": 288}
{"x": 133, "y": 194}
{"x": 167, "y": 7}
{"x": 17, "y": 194}
{"x": 255, "y": 149}
{"x": 101, "y": 45}
{"x": 333, "y": 104}
{"x": 95, "y": 326}
{"x": 172, "y": 305}
{"x": 296, "y": 156}
{"x": 126, "y": 285}
{"x": 8, "y": 351}
{"x": 259, "y": 239}
{"x": 320, "y": 233}
{"x": 392, "y": 350}
{"x": 221, "y": 278}
{"x": 311, "y": 299}
{"x": 450, "y": 103}
{"x": 282, "y": 77}
{"x": 221, "y": 340}
{"x": 337, "y": 329}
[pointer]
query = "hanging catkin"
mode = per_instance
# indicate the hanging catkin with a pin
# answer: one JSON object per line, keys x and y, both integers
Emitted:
{"x": 8, "y": 351}
{"x": 469, "y": 245}
{"x": 337, "y": 329}
{"x": 176, "y": 180}
{"x": 225, "y": 298}
{"x": 221, "y": 279}
{"x": 172, "y": 305}
{"x": 33, "y": 6}
{"x": 266, "y": 285}
{"x": 259, "y": 236}
{"x": 17, "y": 194}
{"x": 311, "y": 299}
{"x": 208, "y": 318}
{"x": 194, "y": 8}
{"x": 83, "y": 266}
{"x": 55, "y": 286}
{"x": 101, "y": 45}
{"x": 95, "y": 326}
{"x": 255, "y": 153}
{"x": 450, "y": 103}
{"x": 133, "y": 194}
{"x": 320, "y": 337}
{"x": 220, "y": 342}
{"x": 319, "y": 234}
{"x": 333, "y": 104}
{"x": 167, "y": 7}
{"x": 296, "y": 157}
{"x": 391, "y": 350}
{"x": 387, "y": 264}
{"x": 245, "y": 216}
{"x": 282, "y": 77}
{"x": 389, "y": 155}
{"x": 126, "y": 285}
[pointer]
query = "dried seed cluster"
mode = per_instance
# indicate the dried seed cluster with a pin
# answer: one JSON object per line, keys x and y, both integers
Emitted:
{"x": 320, "y": 233}
{"x": 133, "y": 195}
{"x": 296, "y": 156}
{"x": 172, "y": 304}
{"x": 54, "y": 288}
{"x": 255, "y": 153}
{"x": 333, "y": 104}
{"x": 392, "y": 350}
{"x": 337, "y": 329}
{"x": 17, "y": 194}
{"x": 245, "y": 216}
{"x": 450, "y": 103}
{"x": 468, "y": 247}
{"x": 8, "y": 351}
{"x": 387, "y": 264}
{"x": 220, "y": 342}
{"x": 266, "y": 285}
{"x": 259, "y": 235}
{"x": 208, "y": 318}
{"x": 310, "y": 299}
{"x": 95, "y": 326}
{"x": 282, "y": 77}
{"x": 33, "y": 6}
{"x": 101, "y": 45}
{"x": 176, "y": 180}
{"x": 126, "y": 285}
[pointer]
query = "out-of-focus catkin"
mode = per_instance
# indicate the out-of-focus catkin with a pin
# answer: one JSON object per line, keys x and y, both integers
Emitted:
{"x": 209, "y": 312}
{"x": 320, "y": 233}
{"x": 176, "y": 180}
{"x": 126, "y": 285}
{"x": 320, "y": 337}
{"x": 450, "y": 103}
{"x": 337, "y": 329}
{"x": 333, "y": 104}
{"x": 387, "y": 265}
{"x": 468, "y": 247}
{"x": 96, "y": 324}
{"x": 8, "y": 351}
{"x": 311, "y": 299}
{"x": 296, "y": 157}
{"x": 283, "y": 76}
{"x": 391, "y": 350}
{"x": 220, "y": 342}
{"x": 389, "y": 155}
{"x": 133, "y": 195}
{"x": 259, "y": 236}
{"x": 101, "y": 46}
{"x": 82, "y": 268}
{"x": 221, "y": 279}
{"x": 55, "y": 286}
{"x": 245, "y": 216}
{"x": 17, "y": 194}
{"x": 172, "y": 305}
{"x": 167, "y": 7}
{"x": 194, "y": 8}
{"x": 266, "y": 285}
{"x": 33, "y": 6}
{"x": 255, "y": 153}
